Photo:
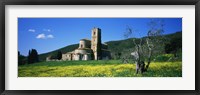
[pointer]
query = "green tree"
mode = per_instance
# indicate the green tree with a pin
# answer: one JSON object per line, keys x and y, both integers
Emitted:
{"x": 29, "y": 59}
{"x": 33, "y": 56}
{"x": 174, "y": 45}
{"x": 21, "y": 59}
{"x": 59, "y": 55}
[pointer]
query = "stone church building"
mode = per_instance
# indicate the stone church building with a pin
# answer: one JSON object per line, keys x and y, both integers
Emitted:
{"x": 89, "y": 49}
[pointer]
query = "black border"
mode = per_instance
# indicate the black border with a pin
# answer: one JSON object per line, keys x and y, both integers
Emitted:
{"x": 99, "y": 2}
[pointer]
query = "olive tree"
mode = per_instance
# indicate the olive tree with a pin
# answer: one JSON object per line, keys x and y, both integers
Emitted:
{"x": 145, "y": 47}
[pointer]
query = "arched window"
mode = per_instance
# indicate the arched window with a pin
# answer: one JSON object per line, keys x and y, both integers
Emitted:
{"x": 81, "y": 46}
{"x": 94, "y": 33}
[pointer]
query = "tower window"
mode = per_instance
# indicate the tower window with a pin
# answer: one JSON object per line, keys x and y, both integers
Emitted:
{"x": 81, "y": 45}
{"x": 94, "y": 33}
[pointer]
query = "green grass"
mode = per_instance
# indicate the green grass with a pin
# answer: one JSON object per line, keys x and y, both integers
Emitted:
{"x": 111, "y": 68}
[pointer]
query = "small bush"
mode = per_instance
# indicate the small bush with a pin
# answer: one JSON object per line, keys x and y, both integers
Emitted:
{"x": 164, "y": 58}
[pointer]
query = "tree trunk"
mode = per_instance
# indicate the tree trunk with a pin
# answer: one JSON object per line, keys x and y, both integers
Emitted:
{"x": 149, "y": 59}
{"x": 137, "y": 67}
{"x": 138, "y": 60}
{"x": 140, "y": 67}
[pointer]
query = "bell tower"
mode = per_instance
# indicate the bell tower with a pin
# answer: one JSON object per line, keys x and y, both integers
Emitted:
{"x": 96, "y": 43}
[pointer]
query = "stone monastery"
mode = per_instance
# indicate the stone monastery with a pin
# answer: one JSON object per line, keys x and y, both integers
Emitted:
{"x": 89, "y": 49}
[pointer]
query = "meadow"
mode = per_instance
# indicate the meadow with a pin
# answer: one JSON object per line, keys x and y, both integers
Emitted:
{"x": 101, "y": 68}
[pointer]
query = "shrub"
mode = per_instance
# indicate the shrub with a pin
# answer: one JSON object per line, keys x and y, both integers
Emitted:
{"x": 164, "y": 57}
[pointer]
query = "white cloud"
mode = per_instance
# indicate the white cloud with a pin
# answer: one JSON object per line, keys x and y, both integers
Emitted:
{"x": 41, "y": 36}
{"x": 48, "y": 30}
{"x": 31, "y": 30}
{"x": 50, "y": 36}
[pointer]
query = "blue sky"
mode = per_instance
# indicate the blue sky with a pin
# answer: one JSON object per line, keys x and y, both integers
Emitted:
{"x": 48, "y": 34}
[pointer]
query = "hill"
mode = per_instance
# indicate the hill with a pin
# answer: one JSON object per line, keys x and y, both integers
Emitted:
{"x": 65, "y": 49}
{"x": 122, "y": 47}
{"x": 117, "y": 48}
